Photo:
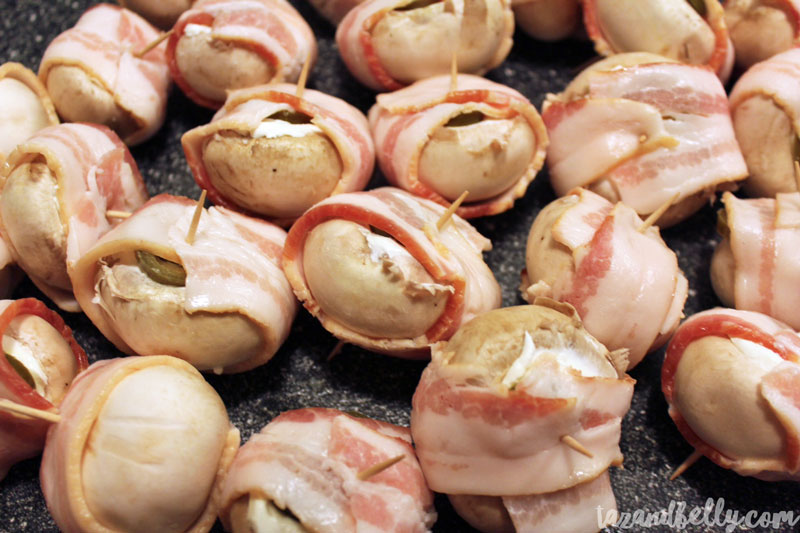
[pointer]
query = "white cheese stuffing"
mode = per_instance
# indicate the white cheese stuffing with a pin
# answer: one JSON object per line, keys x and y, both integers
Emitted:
{"x": 380, "y": 247}
{"x": 567, "y": 357}
{"x": 280, "y": 128}
{"x": 264, "y": 517}
{"x": 192, "y": 30}
{"x": 760, "y": 356}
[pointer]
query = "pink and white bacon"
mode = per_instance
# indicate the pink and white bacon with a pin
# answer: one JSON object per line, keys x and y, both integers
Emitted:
{"x": 764, "y": 243}
{"x": 308, "y": 462}
{"x": 402, "y": 122}
{"x": 651, "y": 130}
{"x": 232, "y": 266}
{"x": 626, "y": 285}
{"x": 95, "y": 173}
{"x": 509, "y": 430}
{"x": 104, "y": 42}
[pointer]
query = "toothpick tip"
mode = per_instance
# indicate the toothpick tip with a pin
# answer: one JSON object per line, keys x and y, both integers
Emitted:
{"x": 450, "y": 210}
{"x": 577, "y": 446}
{"x": 686, "y": 464}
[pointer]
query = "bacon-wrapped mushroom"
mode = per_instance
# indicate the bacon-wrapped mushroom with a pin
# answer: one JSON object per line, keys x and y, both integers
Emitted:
{"x": 377, "y": 272}
{"x": 640, "y": 129}
{"x": 143, "y": 445}
{"x": 754, "y": 267}
{"x": 160, "y": 13}
{"x": 271, "y": 154}
{"x": 760, "y": 29}
{"x": 323, "y": 471}
{"x": 690, "y": 31}
{"x": 56, "y": 189}
{"x": 547, "y": 20}
{"x": 25, "y": 107}
{"x": 220, "y": 302}
{"x": 41, "y": 358}
{"x": 490, "y": 132}
{"x": 765, "y": 107}
{"x": 387, "y": 44}
{"x": 222, "y": 45}
{"x": 93, "y": 73}
{"x": 625, "y": 284}
{"x": 501, "y": 408}
{"x": 731, "y": 380}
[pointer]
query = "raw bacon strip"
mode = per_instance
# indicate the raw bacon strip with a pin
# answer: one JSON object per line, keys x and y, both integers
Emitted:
{"x": 765, "y": 268}
{"x": 510, "y": 423}
{"x": 626, "y": 285}
{"x": 693, "y": 150}
{"x": 68, "y": 445}
{"x": 103, "y": 42}
{"x": 307, "y": 462}
{"x": 403, "y": 121}
{"x": 451, "y": 256}
{"x": 232, "y": 267}
{"x": 772, "y": 374}
{"x": 271, "y": 28}
{"x": 571, "y": 510}
{"x": 670, "y": 21}
{"x": 20, "y": 437}
{"x": 95, "y": 172}
{"x": 245, "y": 110}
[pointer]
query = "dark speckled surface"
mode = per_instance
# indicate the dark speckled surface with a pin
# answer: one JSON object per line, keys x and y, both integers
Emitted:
{"x": 378, "y": 386}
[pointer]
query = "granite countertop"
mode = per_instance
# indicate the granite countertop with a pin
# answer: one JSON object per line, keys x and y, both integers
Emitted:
{"x": 381, "y": 387}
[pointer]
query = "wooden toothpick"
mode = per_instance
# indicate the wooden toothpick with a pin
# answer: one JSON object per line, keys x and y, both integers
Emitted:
{"x": 301, "y": 82}
{"x": 111, "y": 213}
{"x": 14, "y": 407}
{"x": 454, "y": 71}
{"x": 160, "y": 39}
{"x": 575, "y": 445}
{"x": 196, "y": 218}
{"x": 378, "y": 468}
{"x": 336, "y": 350}
{"x": 450, "y": 210}
{"x": 692, "y": 459}
{"x": 655, "y": 215}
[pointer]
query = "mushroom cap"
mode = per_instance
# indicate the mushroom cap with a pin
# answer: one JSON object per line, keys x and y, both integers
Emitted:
{"x": 152, "y": 456}
{"x": 369, "y": 282}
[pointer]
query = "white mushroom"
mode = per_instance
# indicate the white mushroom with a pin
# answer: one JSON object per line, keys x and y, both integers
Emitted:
{"x": 41, "y": 355}
{"x": 22, "y": 112}
{"x": 150, "y": 316}
{"x": 769, "y": 143}
{"x": 717, "y": 391}
{"x": 491, "y": 155}
{"x": 416, "y": 40}
{"x": 369, "y": 282}
{"x": 212, "y": 66}
{"x": 31, "y": 216}
{"x": 759, "y": 29}
{"x": 81, "y": 97}
{"x": 548, "y": 20}
{"x": 672, "y": 28}
{"x": 279, "y": 170}
{"x": 153, "y": 453}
